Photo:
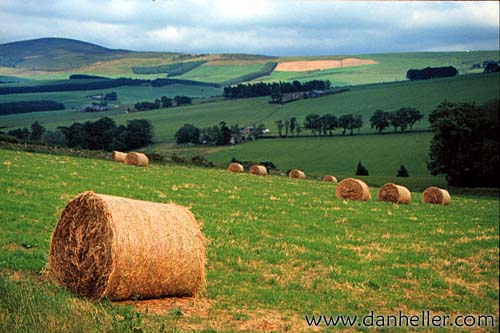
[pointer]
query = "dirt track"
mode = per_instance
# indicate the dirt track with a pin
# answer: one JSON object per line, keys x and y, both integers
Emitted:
{"x": 304, "y": 66}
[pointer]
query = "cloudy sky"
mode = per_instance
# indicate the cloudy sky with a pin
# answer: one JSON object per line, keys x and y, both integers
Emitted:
{"x": 278, "y": 27}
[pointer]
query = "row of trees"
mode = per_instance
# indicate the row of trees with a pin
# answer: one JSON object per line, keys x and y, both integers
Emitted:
{"x": 320, "y": 125}
{"x": 29, "y": 106}
{"x": 102, "y": 134}
{"x": 326, "y": 124}
{"x": 402, "y": 119}
{"x": 267, "y": 89}
{"x": 431, "y": 73}
{"x": 220, "y": 134}
{"x": 163, "y": 102}
{"x": 217, "y": 134}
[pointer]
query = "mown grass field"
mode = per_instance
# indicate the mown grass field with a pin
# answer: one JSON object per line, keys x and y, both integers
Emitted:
{"x": 390, "y": 67}
{"x": 364, "y": 100}
{"x": 278, "y": 249}
{"x": 382, "y": 155}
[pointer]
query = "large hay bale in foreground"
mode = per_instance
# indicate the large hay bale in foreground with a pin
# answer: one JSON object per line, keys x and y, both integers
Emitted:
{"x": 118, "y": 156}
{"x": 353, "y": 189}
{"x": 235, "y": 167}
{"x": 329, "y": 178}
{"x": 296, "y": 173}
{"x": 138, "y": 159}
{"x": 436, "y": 195}
{"x": 106, "y": 246}
{"x": 394, "y": 193}
{"x": 258, "y": 170}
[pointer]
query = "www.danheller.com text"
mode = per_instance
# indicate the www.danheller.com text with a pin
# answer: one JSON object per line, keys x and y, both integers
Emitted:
{"x": 423, "y": 319}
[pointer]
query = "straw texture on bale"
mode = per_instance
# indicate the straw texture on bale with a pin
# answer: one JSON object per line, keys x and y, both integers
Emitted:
{"x": 118, "y": 156}
{"x": 353, "y": 189}
{"x": 106, "y": 246}
{"x": 436, "y": 195}
{"x": 138, "y": 159}
{"x": 394, "y": 193}
{"x": 258, "y": 170}
{"x": 235, "y": 167}
{"x": 296, "y": 173}
{"x": 330, "y": 179}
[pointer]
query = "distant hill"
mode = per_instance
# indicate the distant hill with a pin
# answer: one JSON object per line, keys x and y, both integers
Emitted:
{"x": 58, "y": 54}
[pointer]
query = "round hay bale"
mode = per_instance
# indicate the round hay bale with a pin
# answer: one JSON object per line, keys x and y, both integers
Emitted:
{"x": 235, "y": 167}
{"x": 296, "y": 173}
{"x": 353, "y": 189}
{"x": 436, "y": 195}
{"x": 118, "y": 156}
{"x": 107, "y": 246}
{"x": 329, "y": 178}
{"x": 258, "y": 170}
{"x": 394, "y": 193}
{"x": 138, "y": 159}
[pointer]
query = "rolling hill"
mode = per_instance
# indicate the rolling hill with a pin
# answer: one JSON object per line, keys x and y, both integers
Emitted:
{"x": 55, "y": 54}
{"x": 58, "y": 58}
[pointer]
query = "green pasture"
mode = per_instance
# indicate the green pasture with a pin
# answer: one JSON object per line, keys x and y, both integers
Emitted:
{"x": 219, "y": 73}
{"x": 278, "y": 249}
{"x": 364, "y": 100}
{"x": 390, "y": 67}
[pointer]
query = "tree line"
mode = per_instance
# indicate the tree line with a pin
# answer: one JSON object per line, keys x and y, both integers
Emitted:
{"x": 326, "y": 124}
{"x": 79, "y": 84}
{"x": 173, "y": 69}
{"x": 268, "y": 89}
{"x": 29, "y": 106}
{"x": 163, "y": 102}
{"x": 220, "y": 134}
{"x": 431, "y": 73}
{"x": 403, "y": 118}
{"x": 103, "y": 134}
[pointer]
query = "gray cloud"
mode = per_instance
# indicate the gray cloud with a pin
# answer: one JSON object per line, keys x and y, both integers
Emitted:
{"x": 282, "y": 27}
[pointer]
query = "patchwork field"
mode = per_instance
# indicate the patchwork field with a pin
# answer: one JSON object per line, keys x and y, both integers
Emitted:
{"x": 364, "y": 100}
{"x": 278, "y": 249}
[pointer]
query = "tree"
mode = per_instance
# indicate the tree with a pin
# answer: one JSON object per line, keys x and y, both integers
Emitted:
{"x": 36, "y": 131}
{"x": 280, "y": 125}
{"x": 313, "y": 123}
{"x": 402, "y": 172}
{"x": 413, "y": 116}
{"x": 293, "y": 124}
{"x": 379, "y": 120}
{"x": 328, "y": 123}
{"x": 492, "y": 67}
{"x": 346, "y": 122}
{"x": 56, "y": 138}
{"x": 361, "y": 170}
{"x": 139, "y": 133}
{"x": 465, "y": 143}
{"x": 394, "y": 120}
{"x": 187, "y": 134}
{"x": 21, "y": 134}
{"x": 298, "y": 128}
{"x": 260, "y": 130}
{"x": 357, "y": 122}
{"x": 287, "y": 127}
{"x": 224, "y": 137}
{"x": 112, "y": 96}
{"x": 166, "y": 102}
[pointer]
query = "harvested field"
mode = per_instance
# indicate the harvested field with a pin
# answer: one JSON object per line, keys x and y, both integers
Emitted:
{"x": 304, "y": 66}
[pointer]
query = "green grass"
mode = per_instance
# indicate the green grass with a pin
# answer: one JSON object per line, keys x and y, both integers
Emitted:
{"x": 364, "y": 100}
{"x": 278, "y": 249}
{"x": 382, "y": 155}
